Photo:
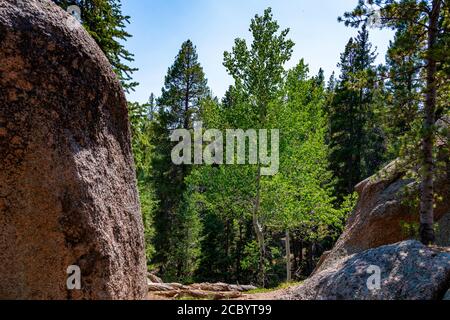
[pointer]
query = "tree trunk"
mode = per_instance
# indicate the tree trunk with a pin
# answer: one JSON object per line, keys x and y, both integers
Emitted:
{"x": 288, "y": 257}
{"x": 310, "y": 258}
{"x": 227, "y": 238}
{"x": 239, "y": 252}
{"x": 427, "y": 187}
{"x": 259, "y": 232}
{"x": 295, "y": 252}
{"x": 300, "y": 257}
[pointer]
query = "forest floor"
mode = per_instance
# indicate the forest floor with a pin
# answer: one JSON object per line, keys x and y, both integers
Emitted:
{"x": 258, "y": 294}
{"x": 264, "y": 296}
{"x": 269, "y": 294}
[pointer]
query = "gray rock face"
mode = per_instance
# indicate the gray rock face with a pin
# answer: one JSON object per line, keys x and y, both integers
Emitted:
{"x": 382, "y": 212}
{"x": 67, "y": 185}
{"x": 408, "y": 271}
{"x": 447, "y": 296}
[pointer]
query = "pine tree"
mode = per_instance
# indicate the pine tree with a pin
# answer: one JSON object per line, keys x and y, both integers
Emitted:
{"x": 403, "y": 90}
{"x": 142, "y": 151}
{"x": 151, "y": 107}
{"x": 426, "y": 25}
{"x": 179, "y": 106}
{"x": 355, "y": 137}
{"x": 104, "y": 21}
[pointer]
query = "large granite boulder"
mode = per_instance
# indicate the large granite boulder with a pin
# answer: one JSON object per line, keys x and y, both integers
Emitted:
{"x": 67, "y": 185}
{"x": 407, "y": 271}
{"x": 387, "y": 211}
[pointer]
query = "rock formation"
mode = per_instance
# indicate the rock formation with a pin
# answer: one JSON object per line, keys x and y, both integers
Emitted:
{"x": 383, "y": 210}
{"x": 408, "y": 271}
{"x": 447, "y": 296}
{"x": 67, "y": 185}
{"x": 373, "y": 237}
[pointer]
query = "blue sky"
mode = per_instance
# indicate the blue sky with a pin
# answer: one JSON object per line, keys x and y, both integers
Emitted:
{"x": 160, "y": 26}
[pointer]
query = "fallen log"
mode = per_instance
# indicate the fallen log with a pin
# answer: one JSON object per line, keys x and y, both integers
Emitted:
{"x": 154, "y": 279}
{"x": 179, "y": 286}
{"x": 160, "y": 287}
{"x": 198, "y": 294}
{"x": 204, "y": 287}
{"x": 217, "y": 287}
{"x": 221, "y": 287}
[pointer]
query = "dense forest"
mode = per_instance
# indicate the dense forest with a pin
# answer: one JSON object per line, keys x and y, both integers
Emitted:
{"x": 230, "y": 223}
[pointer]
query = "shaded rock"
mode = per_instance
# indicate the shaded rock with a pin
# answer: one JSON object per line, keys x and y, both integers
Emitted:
{"x": 67, "y": 184}
{"x": 154, "y": 278}
{"x": 409, "y": 271}
{"x": 447, "y": 296}
{"x": 383, "y": 210}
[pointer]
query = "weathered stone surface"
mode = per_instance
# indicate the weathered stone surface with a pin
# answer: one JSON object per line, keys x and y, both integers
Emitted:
{"x": 154, "y": 279}
{"x": 67, "y": 184}
{"x": 409, "y": 271}
{"x": 382, "y": 212}
{"x": 447, "y": 296}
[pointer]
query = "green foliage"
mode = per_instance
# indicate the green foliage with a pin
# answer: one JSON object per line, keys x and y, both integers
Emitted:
{"x": 142, "y": 150}
{"x": 251, "y": 260}
{"x": 104, "y": 21}
{"x": 356, "y": 135}
{"x": 258, "y": 71}
{"x": 230, "y": 223}
{"x": 403, "y": 90}
{"x": 301, "y": 195}
{"x": 185, "y": 239}
{"x": 176, "y": 221}
{"x": 422, "y": 36}
{"x": 299, "y": 198}
{"x": 148, "y": 205}
{"x": 258, "y": 74}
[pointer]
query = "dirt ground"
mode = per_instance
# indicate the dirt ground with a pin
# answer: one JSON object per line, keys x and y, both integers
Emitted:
{"x": 265, "y": 296}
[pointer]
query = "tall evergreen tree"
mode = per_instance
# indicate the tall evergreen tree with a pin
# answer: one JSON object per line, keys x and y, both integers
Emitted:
{"x": 151, "y": 107}
{"x": 355, "y": 137}
{"x": 403, "y": 89}
{"x": 426, "y": 23}
{"x": 179, "y": 105}
{"x": 105, "y": 22}
{"x": 142, "y": 151}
